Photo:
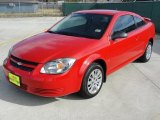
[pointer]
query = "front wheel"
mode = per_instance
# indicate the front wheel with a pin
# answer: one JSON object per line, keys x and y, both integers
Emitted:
{"x": 147, "y": 54}
{"x": 92, "y": 81}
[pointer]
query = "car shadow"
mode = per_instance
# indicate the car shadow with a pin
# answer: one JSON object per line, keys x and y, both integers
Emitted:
{"x": 156, "y": 46}
{"x": 73, "y": 96}
{"x": 10, "y": 93}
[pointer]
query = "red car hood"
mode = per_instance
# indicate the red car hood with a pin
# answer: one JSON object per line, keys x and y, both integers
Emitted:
{"x": 47, "y": 46}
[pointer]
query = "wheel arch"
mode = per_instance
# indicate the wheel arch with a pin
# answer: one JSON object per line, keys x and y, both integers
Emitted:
{"x": 151, "y": 40}
{"x": 91, "y": 59}
{"x": 104, "y": 66}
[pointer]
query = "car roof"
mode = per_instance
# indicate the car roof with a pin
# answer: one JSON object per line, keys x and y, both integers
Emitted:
{"x": 104, "y": 11}
{"x": 100, "y": 11}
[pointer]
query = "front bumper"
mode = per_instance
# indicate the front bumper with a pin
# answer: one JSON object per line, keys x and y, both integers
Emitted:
{"x": 42, "y": 84}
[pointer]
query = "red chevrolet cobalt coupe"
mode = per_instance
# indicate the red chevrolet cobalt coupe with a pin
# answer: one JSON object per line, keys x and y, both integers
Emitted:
{"x": 77, "y": 53}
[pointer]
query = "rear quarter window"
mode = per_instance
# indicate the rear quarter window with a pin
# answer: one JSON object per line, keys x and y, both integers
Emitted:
{"x": 139, "y": 22}
{"x": 124, "y": 23}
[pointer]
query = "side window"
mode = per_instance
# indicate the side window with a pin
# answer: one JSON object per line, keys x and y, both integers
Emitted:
{"x": 124, "y": 23}
{"x": 139, "y": 22}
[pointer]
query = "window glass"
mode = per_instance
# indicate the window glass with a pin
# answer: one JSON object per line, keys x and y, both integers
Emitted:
{"x": 124, "y": 24}
{"x": 73, "y": 21}
{"x": 139, "y": 22}
{"x": 83, "y": 25}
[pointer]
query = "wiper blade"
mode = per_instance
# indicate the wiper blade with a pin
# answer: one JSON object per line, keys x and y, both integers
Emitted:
{"x": 70, "y": 34}
{"x": 58, "y": 32}
{"x": 62, "y": 33}
{"x": 50, "y": 31}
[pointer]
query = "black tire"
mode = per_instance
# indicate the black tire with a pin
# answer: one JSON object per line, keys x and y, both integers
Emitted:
{"x": 84, "y": 91}
{"x": 144, "y": 57}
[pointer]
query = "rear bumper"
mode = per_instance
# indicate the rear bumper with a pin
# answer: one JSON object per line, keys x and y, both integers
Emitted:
{"x": 43, "y": 84}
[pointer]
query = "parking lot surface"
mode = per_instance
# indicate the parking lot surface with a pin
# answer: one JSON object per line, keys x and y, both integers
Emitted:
{"x": 131, "y": 93}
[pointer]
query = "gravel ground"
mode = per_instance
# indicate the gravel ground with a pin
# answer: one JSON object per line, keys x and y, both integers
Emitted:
{"x": 131, "y": 93}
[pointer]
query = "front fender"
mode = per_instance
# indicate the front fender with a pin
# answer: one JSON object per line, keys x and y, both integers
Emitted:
{"x": 88, "y": 61}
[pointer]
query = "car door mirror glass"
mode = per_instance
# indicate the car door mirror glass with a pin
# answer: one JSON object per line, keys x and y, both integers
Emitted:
{"x": 119, "y": 35}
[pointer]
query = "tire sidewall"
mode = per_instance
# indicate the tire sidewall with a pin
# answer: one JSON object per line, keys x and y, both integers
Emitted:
{"x": 92, "y": 67}
{"x": 149, "y": 43}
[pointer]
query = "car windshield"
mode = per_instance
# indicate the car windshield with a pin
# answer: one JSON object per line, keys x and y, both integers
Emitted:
{"x": 83, "y": 25}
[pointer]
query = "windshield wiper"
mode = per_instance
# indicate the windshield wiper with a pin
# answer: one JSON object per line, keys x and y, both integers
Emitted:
{"x": 50, "y": 31}
{"x": 58, "y": 32}
{"x": 70, "y": 34}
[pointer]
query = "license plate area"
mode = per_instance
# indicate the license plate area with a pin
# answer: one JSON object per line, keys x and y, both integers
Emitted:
{"x": 14, "y": 79}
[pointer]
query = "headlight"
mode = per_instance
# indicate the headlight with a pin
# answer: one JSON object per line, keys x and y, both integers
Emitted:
{"x": 58, "y": 66}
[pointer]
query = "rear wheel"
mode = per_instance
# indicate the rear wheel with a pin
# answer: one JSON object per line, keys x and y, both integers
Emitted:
{"x": 147, "y": 54}
{"x": 92, "y": 81}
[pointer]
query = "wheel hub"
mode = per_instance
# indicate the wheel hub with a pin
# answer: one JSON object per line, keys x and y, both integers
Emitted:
{"x": 148, "y": 52}
{"x": 94, "y": 81}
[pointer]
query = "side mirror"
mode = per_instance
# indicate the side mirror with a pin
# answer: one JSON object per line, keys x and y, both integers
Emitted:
{"x": 119, "y": 35}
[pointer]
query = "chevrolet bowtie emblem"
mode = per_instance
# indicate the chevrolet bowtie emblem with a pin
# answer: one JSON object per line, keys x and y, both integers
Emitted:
{"x": 19, "y": 63}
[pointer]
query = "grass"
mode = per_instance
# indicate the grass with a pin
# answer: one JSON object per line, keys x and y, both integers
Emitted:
{"x": 39, "y": 13}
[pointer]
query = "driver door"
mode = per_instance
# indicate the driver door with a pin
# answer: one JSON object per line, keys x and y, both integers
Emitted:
{"x": 121, "y": 49}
